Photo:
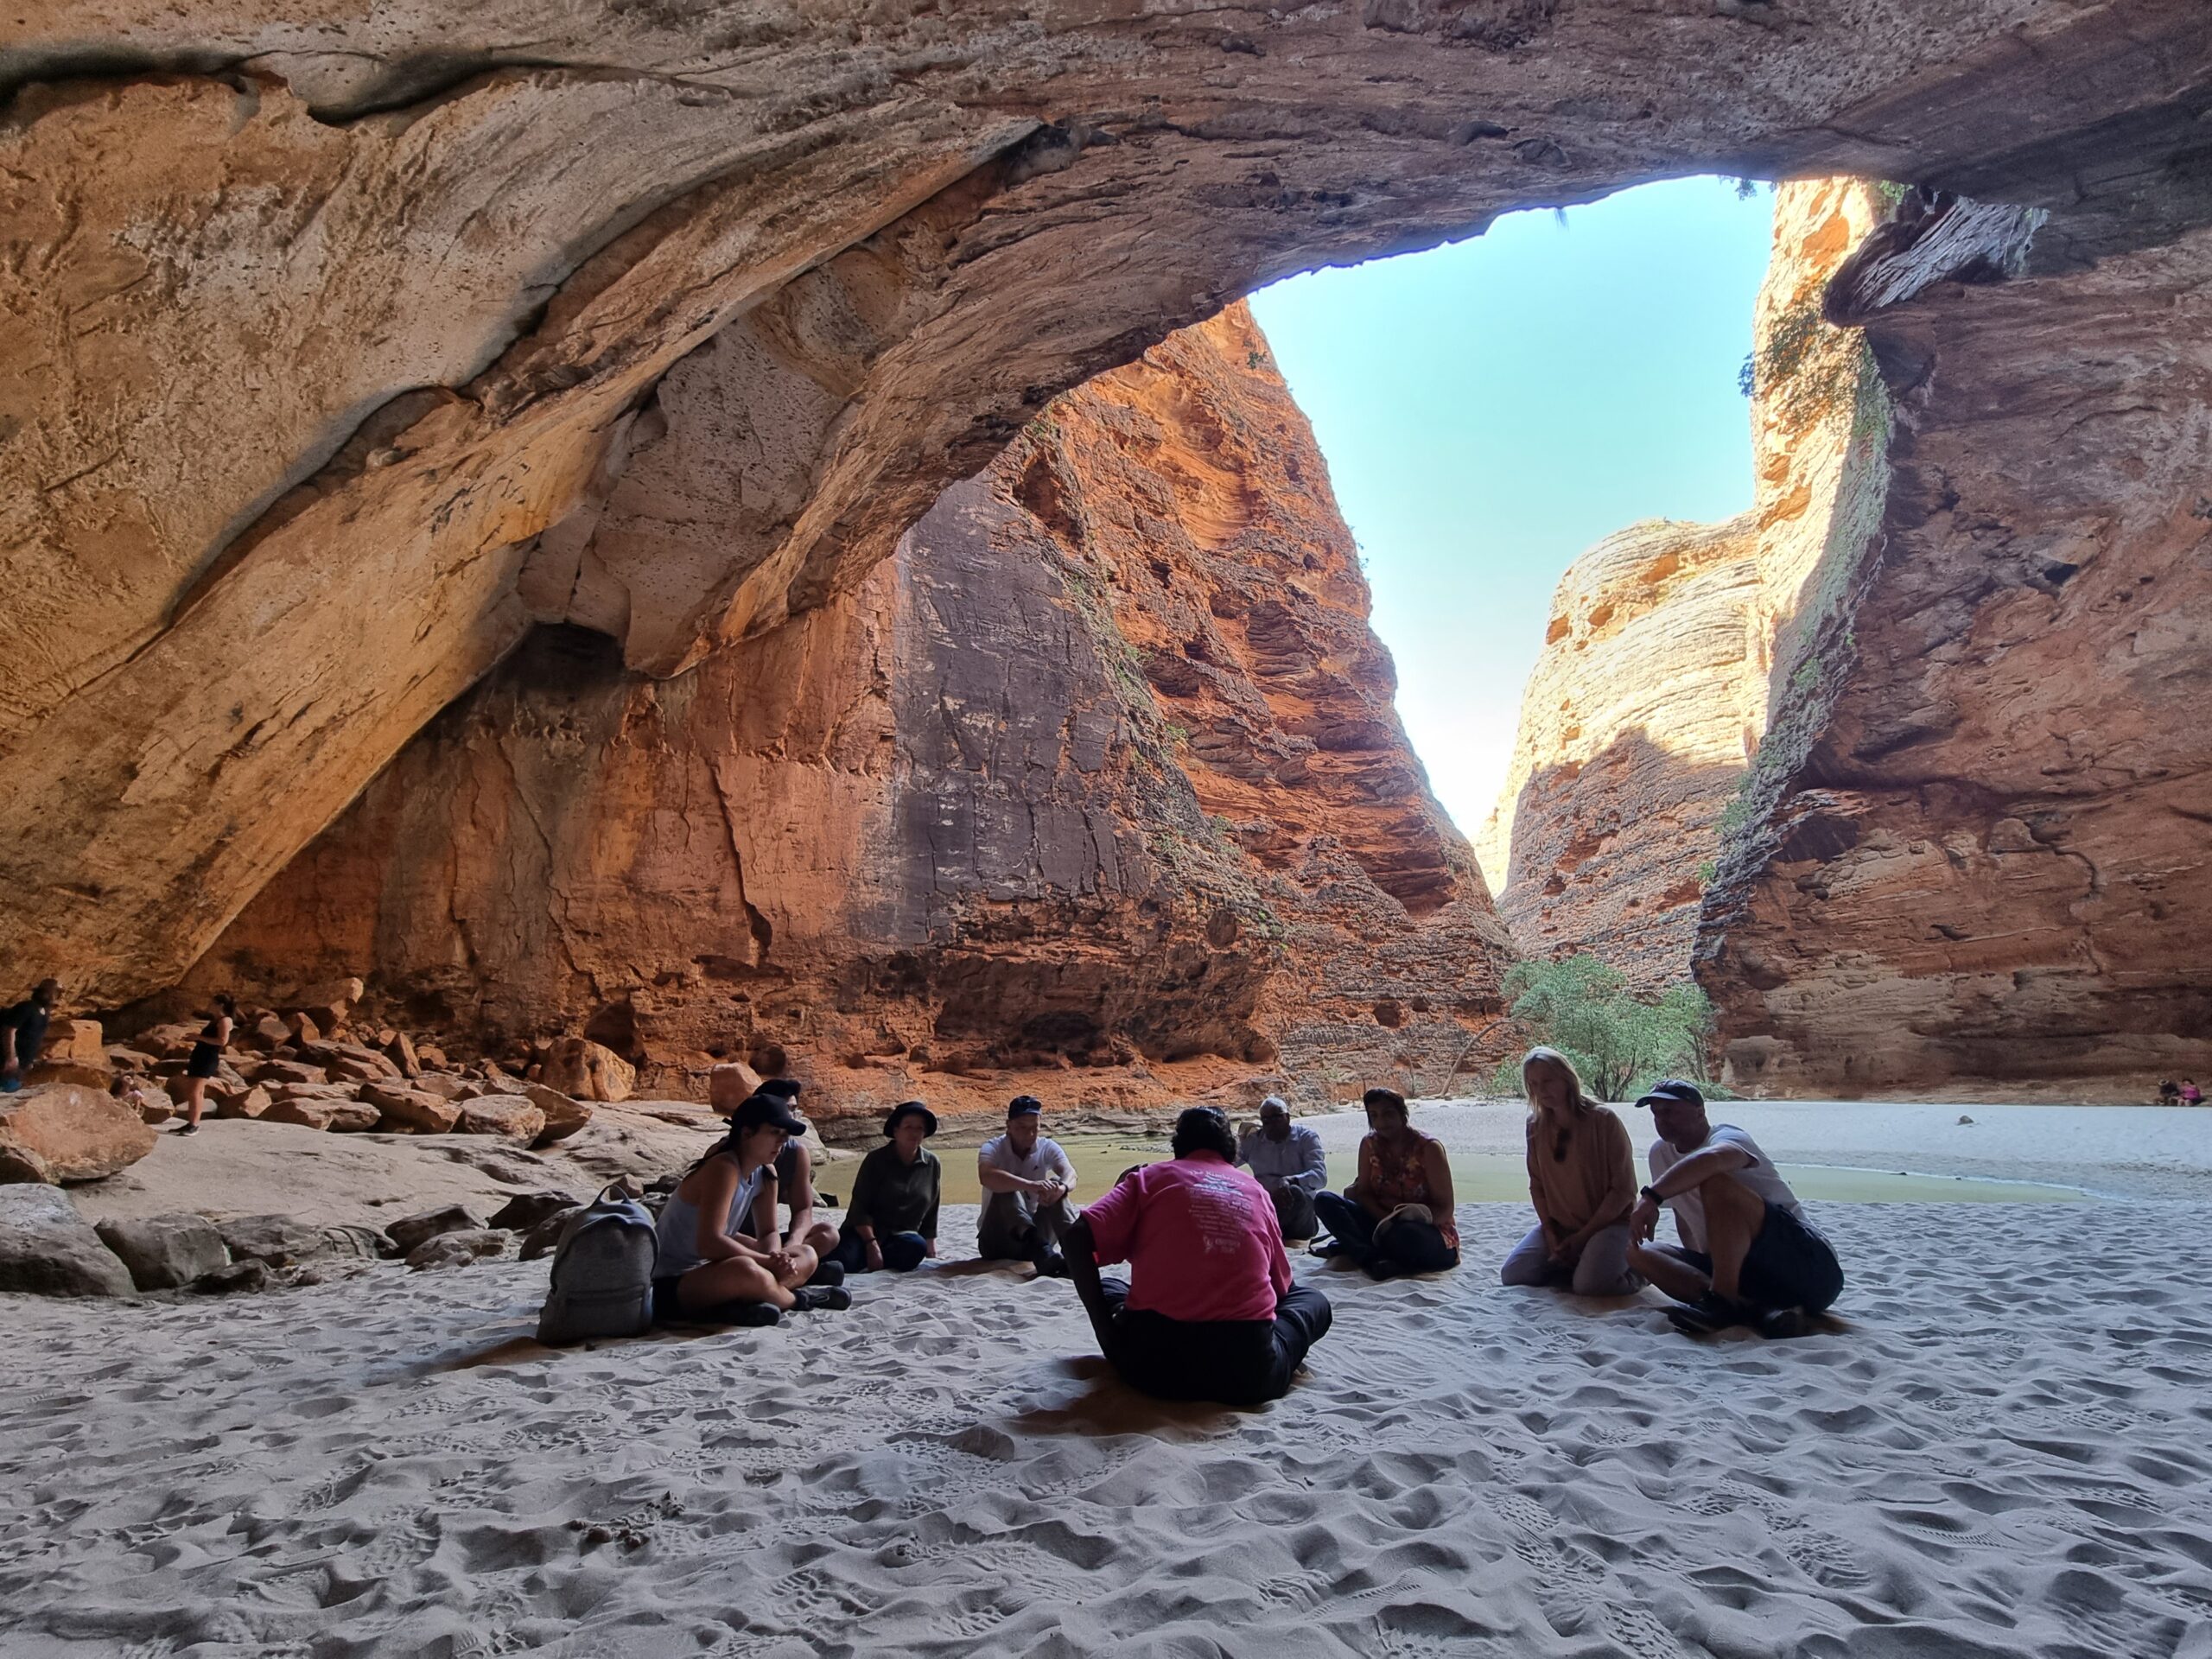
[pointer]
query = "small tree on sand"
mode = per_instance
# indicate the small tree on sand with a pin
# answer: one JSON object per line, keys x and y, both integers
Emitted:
{"x": 1619, "y": 1042}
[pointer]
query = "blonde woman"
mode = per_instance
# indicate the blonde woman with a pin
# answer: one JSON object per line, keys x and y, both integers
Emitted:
{"x": 1582, "y": 1182}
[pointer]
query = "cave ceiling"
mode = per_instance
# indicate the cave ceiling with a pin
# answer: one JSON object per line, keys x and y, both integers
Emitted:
{"x": 334, "y": 327}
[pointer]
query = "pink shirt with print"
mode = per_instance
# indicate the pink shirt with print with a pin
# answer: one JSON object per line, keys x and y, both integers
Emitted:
{"x": 1200, "y": 1238}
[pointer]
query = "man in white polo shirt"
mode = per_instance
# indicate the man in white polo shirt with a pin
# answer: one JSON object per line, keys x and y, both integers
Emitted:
{"x": 1026, "y": 1180}
{"x": 1748, "y": 1256}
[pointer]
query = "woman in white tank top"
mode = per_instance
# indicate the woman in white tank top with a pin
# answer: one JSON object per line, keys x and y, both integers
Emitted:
{"x": 706, "y": 1262}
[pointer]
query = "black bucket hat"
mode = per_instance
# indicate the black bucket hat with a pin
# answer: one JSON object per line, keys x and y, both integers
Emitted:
{"x": 910, "y": 1106}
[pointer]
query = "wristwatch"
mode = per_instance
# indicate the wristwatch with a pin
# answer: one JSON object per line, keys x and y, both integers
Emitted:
{"x": 1652, "y": 1193}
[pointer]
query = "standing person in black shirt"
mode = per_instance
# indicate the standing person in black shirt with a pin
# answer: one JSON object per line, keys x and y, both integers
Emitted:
{"x": 207, "y": 1060}
{"x": 892, "y": 1220}
{"x": 23, "y": 1034}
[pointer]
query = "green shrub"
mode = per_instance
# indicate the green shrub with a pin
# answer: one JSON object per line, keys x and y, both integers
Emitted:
{"x": 1621, "y": 1043}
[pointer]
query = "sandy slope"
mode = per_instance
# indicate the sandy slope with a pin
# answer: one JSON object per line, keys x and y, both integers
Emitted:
{"x": 2006, "y": 1455}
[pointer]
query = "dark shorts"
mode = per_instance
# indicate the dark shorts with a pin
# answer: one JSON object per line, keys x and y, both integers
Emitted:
{"x": 1790, "y": 1265}
{"x": 665, "y": 1304}
{"x": 206, "y": 1061}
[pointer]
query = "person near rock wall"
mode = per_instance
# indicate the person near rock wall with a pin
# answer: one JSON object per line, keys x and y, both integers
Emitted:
{"x": 1288, "y": 1160}
{"x": 1748, "y": 1255}
{"x": 23, "y": 1034}
{"x": 793, "y": 1184}
{"x": 1026, "y": 1180}
{"x": 1209, "y": 1311}
{"x": 1397, "y": 1216}
{"x": 709, "y": 1269}
{"x": 892, "y": 1220}
{"x": 1581, "y": 1182}
{"x": 206, "y": 1063}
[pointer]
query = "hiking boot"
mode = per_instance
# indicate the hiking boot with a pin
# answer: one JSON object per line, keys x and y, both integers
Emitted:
{"x": 829, "y": 1273}
{"x": 815, "y": 1299}
{"x": 1709, "y": 1313}
{"x": 750, "y": 1314}
{"x": 1784, "y": 1323}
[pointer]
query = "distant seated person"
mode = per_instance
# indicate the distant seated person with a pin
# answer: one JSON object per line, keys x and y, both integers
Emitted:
{"x": 23, "y": 1034}
{"x": 709, "y": 1269}
{"x": 794, "y": 1186}
{"x": 2169, "y": 1093}
{"x": 1397, "y": 1216}
{"x": 1026, "y": 1180}
{"x": 1581, "y": 1183}
{"x": 2190, "y": 1094}
{"x": 890, "y": 1221}
{"x": 1210, "y": 1312}
{"x": 1748, "y": 1256}
{"x": 1287, "y": 1159}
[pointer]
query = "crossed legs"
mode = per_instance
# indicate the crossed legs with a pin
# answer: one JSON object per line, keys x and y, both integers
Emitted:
{"x": 1733, "y": 1216}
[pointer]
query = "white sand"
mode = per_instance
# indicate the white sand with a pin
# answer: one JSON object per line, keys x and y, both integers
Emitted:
{"x": 2006, "y": 1454}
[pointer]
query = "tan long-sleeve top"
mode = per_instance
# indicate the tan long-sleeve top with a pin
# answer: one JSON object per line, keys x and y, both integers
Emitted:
{"x": 1596, "y": 1178}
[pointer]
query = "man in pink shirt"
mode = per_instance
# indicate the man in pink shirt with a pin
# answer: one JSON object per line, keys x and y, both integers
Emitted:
{"x": 1212, "y": 1314}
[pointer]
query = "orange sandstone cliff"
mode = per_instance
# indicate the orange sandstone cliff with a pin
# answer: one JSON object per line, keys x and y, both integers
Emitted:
{"x": 1657, "y": 675}
{"x": 1095, "y": 788}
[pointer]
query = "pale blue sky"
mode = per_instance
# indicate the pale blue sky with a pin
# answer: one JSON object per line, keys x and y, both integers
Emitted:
{"x": 1490, "y": 409}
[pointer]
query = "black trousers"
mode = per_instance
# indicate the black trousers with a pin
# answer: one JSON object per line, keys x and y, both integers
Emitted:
{"x": 1237, "y": 1361}
{"x": 1415, "y": 1246}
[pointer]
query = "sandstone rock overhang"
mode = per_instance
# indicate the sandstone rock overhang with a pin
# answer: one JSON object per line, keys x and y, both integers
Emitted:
{"x": 331, "y": 321}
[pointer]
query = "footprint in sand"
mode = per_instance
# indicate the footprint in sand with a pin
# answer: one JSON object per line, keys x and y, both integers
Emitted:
{"x": 1826, "y": 1560}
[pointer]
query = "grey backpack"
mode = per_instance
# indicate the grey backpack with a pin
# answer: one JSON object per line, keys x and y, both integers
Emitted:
{"x": 602, "y": 1273}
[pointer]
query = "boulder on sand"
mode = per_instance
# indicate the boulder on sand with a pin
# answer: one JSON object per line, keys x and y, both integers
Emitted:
{"x": 585, "y": 1070}
{"x": 322, "y": 1112}
{"x": 165, "y": 1252}
{"x": 249, "y": 1274}
{"x": 453, "y": 1249}
{"x": 525, "y": 1210}
{"x": 408, "y": 1231}
{"x": 73, "y": 1053}
{"x": 46, "y": 1248}
{"x": 730, "y": 1084}
{"x": 510, "y": 1115}
{"x": 151, "y": 1101}
{"x": 410, "y": 1110}
{"x": 280, "y": 1241}
{"x": 77, "y": 1134}
{"x": 563, "y": 1117}
{"x": 545, "y": 1237}
{"x": 252, "y": 1101}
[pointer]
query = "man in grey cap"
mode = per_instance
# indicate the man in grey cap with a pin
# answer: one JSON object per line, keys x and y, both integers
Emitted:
{"x": 1287, "y": 1161}
{"x": 1748, "y": 1255}
{"x": 1026, "y": 1179}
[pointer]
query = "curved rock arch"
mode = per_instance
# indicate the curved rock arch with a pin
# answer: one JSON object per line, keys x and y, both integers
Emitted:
{"x": 335, "y": 330}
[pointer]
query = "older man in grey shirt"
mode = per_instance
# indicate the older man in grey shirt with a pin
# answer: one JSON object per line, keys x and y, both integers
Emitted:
{"x": 1288, "y": 1160}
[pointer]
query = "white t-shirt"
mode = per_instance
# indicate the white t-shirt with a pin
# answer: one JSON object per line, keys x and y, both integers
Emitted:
{"x": 1044, "y": 1160}
{"x": 1759, "y": 1175}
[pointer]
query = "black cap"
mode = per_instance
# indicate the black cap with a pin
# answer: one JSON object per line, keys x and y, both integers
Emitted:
{"x": 784, "y": 1088}
{"x": 765, "y": 1110}
{"x": 1672, "y": 1092}
{"x": 1024, "y": 1106}
{"x": 910, "y": 1106}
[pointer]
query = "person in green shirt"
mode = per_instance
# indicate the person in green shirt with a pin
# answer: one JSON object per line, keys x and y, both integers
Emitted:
{"x": 891, "y": 1220}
